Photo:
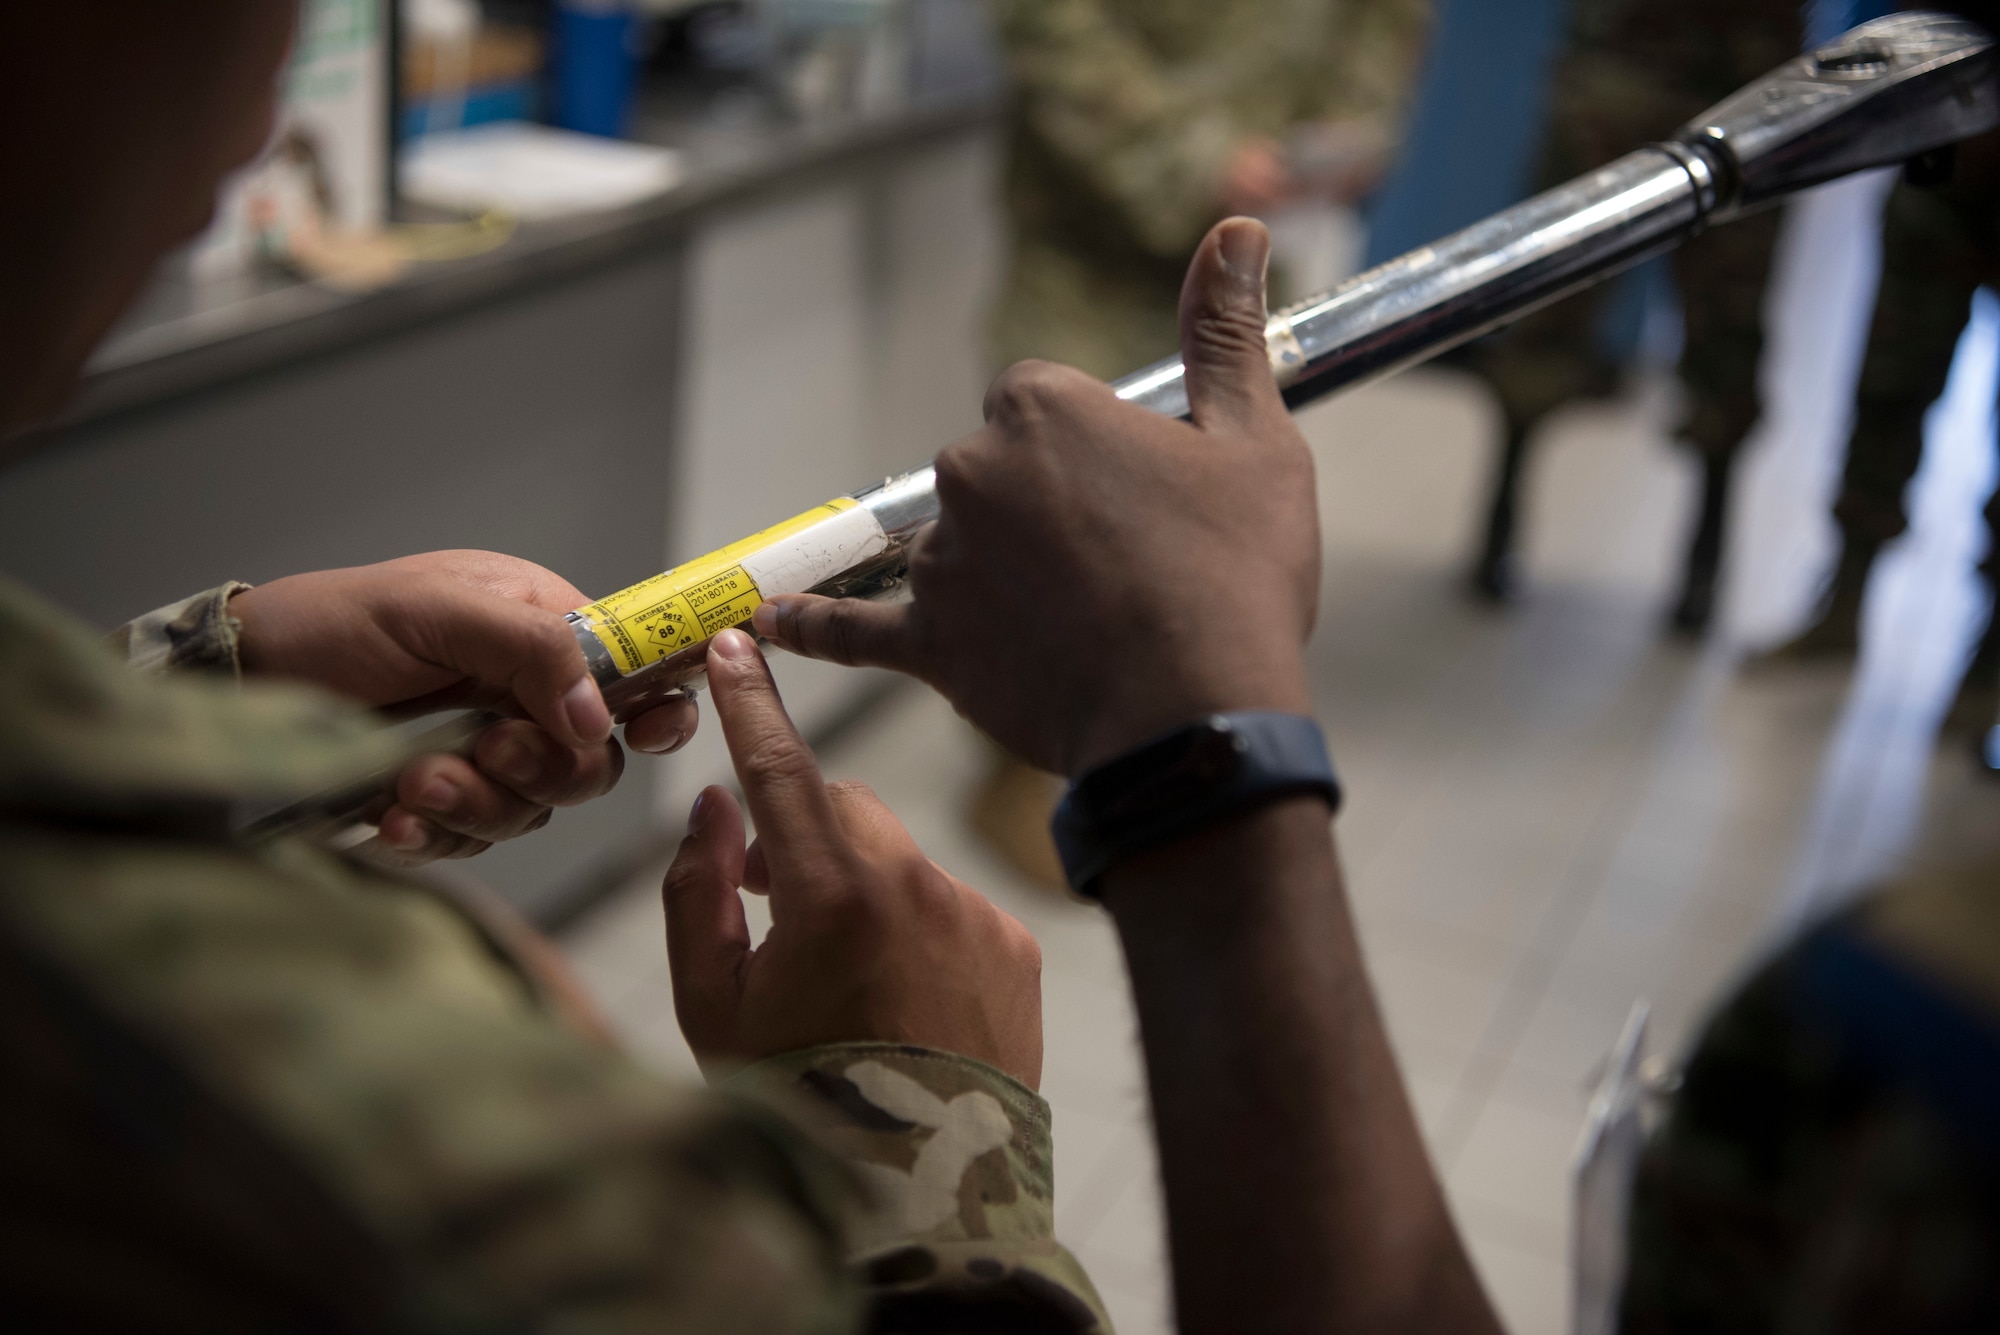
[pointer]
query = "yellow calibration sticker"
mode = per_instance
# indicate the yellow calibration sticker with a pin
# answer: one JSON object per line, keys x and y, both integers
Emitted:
{"x": 703, "y": 597}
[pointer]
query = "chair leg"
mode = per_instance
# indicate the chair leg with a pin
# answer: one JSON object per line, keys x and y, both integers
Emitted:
{"x": 1695, "y": 607}
{"x": 1494, "y": 575}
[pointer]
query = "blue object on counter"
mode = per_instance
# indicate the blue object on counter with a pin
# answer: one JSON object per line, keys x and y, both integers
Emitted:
{"x": 595, "y": 64}
{"x": 483, "y": 105}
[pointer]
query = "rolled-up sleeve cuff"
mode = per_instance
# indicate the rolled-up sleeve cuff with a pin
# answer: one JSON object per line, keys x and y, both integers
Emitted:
{"x": 196, "y": 634}
{"x": 959, "y": 1161}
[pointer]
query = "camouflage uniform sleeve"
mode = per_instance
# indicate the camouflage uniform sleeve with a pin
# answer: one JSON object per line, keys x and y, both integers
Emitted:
{"x": 488, "y": 1168}
{"x": 273, "y": 1088}
{"x": 195, "y": 634}
{"x": 1151, "y": 146}
{"x": 957, "y": 1159}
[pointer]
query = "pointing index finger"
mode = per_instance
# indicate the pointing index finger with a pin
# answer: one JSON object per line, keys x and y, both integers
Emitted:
{"x": 781, "y": 780}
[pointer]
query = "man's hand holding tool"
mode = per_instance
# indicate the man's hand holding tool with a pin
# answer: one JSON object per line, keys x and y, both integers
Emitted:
{"x": 1099, "y": 573}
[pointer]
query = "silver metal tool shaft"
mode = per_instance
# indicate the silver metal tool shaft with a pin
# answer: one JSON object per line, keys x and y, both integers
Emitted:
{"x": 1884, "y": 93}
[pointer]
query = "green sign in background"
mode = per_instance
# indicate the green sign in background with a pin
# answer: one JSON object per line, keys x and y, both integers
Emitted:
{"x": 330, "y": 32}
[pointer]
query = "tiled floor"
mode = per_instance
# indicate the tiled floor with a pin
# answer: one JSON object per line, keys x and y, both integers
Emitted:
{"x": 1552, "y": 813}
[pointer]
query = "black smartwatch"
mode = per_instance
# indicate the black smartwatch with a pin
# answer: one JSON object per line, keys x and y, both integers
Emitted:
{"x": 1223, "y": 766}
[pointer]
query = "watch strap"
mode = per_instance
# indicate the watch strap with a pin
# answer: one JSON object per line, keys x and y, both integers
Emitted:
{"x": 1209, "y": 771}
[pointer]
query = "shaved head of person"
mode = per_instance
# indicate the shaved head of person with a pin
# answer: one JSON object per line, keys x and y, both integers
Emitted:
{"x": 121, "y": 119}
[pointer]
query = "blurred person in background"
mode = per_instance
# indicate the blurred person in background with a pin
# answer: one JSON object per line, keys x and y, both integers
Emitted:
{"x": 1940, "y": 245}
{"x": 1136, "y": 126}
{"x": 1636, "y": 71}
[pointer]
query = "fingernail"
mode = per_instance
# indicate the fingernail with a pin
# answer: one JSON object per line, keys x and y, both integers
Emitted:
{"x": 584, "y": 707}
{"x": 698, "y": 813}
{"x": 735, "y": 644}
{"x": 765, "y": 619}
{"x": 439, "y": 794}
{"x": 1244, "y": 253}
{"x": 671, "y": 744}
{"x": 407, "y": 837}
{"x": 512, "y": 761}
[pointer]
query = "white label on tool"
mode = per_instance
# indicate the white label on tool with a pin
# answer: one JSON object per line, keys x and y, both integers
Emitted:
{"x": 798, "y": 561}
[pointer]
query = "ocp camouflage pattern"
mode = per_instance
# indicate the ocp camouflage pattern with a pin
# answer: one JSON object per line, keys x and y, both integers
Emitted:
{"x": 1635, "y": 72}
{"x": 1940, "y": 245}
{"x": 267, "y": 1086}
{"x": 1125, "y": 113}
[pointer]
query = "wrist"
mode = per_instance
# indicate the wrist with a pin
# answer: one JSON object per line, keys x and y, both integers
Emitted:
{"x": 1268, "y": 866}
{"x": 1204, "y": 774}
{"x": 245, "y": 607}
{"x": 268, "y": 630}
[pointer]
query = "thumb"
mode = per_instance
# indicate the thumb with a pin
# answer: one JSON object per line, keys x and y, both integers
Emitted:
{"x": 1229, "y": 379}
{"x": 528, "y": 653}
{"x": 708, "y": 938}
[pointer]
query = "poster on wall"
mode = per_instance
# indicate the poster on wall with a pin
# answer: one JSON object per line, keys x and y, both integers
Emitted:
{"x": 325, "y": 172}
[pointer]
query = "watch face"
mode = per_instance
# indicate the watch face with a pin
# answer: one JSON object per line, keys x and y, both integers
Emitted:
{"x": 1176, "y": 769}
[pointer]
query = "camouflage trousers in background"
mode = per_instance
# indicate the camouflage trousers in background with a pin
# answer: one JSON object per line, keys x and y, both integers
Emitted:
{"x": 1635, "y": 74}
{"x": 1059, "y": 307}
{"x": 1554, "y": 356}
{"x": 1939, "y": 246}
